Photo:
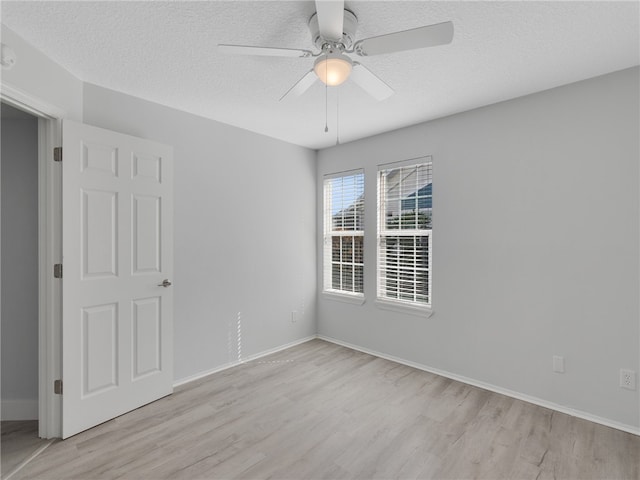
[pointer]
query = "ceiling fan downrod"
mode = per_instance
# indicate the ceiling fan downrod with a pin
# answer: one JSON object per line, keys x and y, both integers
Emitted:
{"x": 349, "y": 27}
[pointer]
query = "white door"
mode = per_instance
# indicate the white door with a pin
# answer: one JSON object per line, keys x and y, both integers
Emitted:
{"x": 117, "y": 233}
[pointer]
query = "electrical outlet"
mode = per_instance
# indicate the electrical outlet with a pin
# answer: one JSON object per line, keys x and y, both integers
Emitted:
{"x": 558, "y": 364}
{"x": 294, "y": 316}
{"x": 627, "y": 379}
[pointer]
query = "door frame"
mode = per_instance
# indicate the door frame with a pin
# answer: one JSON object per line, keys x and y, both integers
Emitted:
{"x": 49, "y": 252}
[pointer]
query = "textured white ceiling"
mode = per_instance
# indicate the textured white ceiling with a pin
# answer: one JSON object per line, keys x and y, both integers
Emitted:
{"x": 166, "y": 52}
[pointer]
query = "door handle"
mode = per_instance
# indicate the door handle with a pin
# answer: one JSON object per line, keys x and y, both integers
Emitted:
{"x": 165, "y": 283}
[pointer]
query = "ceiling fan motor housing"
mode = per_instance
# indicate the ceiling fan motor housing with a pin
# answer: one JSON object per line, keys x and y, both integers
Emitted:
{"x": 350, "y": 25}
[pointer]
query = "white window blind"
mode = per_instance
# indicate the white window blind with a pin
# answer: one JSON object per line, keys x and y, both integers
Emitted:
{"x": 404, "y": 232}
{"x": 344, "y": 233}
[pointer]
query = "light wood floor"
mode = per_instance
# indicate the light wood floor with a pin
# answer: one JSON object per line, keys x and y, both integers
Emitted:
{"x": 19, "y": 440}
{"x": 319, "y": 410}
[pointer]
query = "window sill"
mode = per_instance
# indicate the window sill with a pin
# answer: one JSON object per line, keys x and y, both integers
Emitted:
{"x": 343, "y": 297}
{"x": 420, "y": 311}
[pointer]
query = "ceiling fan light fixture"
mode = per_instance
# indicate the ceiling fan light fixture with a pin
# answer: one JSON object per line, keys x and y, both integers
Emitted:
{"x": 333, "y": 68}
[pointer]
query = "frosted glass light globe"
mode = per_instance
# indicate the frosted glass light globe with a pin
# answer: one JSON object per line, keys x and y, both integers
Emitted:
{"x": 333, "y": 69}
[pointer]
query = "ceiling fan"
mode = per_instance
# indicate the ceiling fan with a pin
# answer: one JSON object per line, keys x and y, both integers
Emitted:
{"x": 333, "y": 31}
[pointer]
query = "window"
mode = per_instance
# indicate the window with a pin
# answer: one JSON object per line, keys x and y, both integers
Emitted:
{"x": 343, "y": 233}
{"x": 404, "y": 232}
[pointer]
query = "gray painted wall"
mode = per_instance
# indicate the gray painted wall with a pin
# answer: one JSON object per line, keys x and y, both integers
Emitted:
{"x": 244, "y": 231}
{"x": 19, "y": 259}
{"x": 536, "y": 246}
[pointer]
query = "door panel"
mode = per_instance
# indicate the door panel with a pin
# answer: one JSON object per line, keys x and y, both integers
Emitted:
{"x": 100, "y": 159}
{"x": 99, "y": 348}
{"x": 99, "y": 227}
{"x": 117, "y": 250}
{"x": 146, "y": 234}
{"x": 147, "y": 168}
{"x": 147, "y": 347}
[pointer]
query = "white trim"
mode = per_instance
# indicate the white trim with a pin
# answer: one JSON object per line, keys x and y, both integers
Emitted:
{"x": 346, "y": 233}
{"x": 16, "y": 97}
{"x": 355, "y": 299}
{"x": 44, "y": 286}
{"x": 493, "y": 388}
{"x": 50, "y": 293}
{"x": 406, "y": 163}
{"x": 22, "y": 409}
{"x": 419, "y": 310}
{"x": 226, "y": 366}
{"x": 49, "y": 411}
{"x": 345, "y": 173}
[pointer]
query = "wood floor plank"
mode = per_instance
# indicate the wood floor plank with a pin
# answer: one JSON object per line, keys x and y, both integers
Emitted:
{"x": 319, "y": 410}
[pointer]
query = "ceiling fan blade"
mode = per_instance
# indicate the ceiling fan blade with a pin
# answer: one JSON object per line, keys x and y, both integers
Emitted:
{"x": 301, "y": 85}
{"x": 370, "y": 83}
{"x": 330, "y": 19}
{"x": 428, "y": 36}
{"x": 264, "y": 51}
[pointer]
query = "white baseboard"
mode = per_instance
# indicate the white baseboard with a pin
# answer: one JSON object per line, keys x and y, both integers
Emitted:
{"x": 206, "y": 373}
{"x": 493, "y": 388}
{"x": 23, "y": 409}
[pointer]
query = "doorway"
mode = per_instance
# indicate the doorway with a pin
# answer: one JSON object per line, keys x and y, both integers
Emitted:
{"x": 19, "y": 260}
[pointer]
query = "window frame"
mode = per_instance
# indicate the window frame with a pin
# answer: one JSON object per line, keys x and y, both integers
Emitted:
{"x": 382, "y": 232}
{"x": 328, "y": 291}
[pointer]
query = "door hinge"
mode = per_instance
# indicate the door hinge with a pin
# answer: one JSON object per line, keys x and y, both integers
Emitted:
{"x": 57, "y": 270}
{"x": 57, "y": 154}
{"x": 57, "y": 387}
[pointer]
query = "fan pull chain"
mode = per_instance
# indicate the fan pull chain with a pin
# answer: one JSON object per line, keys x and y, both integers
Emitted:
{"x": 338, "y": 116}
{"x": 326, "y": 101}
{"x": 326, "y": 110}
